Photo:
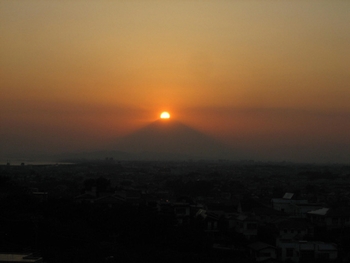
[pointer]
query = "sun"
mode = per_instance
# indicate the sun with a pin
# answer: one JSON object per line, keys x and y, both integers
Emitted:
{"x": 165, "y": 115}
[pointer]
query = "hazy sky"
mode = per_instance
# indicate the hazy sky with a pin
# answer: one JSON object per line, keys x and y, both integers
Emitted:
{"x": 272, "y": 77}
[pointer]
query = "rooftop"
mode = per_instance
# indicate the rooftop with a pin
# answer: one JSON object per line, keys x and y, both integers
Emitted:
{"x": 19, "y": 258}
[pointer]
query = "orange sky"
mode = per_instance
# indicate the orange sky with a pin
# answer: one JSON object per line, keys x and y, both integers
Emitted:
{"x": 269, "y": 76}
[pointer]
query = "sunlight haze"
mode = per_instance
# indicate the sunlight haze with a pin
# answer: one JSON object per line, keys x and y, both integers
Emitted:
{"x": 269, "y": 77}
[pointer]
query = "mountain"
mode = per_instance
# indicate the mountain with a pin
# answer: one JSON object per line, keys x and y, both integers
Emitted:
{"x": 171, "y": 139}
{"x": 160, "y": 140}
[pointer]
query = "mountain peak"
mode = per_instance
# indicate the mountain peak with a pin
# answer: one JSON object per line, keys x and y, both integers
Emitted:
{"x": 172, "y": 137}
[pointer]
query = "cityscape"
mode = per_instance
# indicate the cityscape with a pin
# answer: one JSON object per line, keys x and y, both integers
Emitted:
{"x": 142, "y": 211}
{"x": 208, "y": 131}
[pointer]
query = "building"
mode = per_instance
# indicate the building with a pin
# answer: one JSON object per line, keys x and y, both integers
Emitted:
{"x": 330, "y": 218}
{"x": 260, "y": 251}
{"x": 296, "y": 251}
{"x": 293, "y": 229}
{"x": 19, "y": 258}
{"x": 246, "y": 225}
{"x": 288, "y": 204}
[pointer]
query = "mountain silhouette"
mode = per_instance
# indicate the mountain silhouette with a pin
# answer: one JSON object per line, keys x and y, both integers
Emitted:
{"x": 171, "y": 139}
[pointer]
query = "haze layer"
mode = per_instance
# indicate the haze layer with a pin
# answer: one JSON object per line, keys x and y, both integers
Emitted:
{"x": 269, "y": 76}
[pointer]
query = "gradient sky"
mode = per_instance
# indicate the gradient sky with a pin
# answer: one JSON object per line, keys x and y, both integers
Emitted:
{"x": 269, "y": 77}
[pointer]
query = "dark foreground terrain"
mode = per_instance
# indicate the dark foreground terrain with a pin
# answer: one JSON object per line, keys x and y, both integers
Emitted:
{"x": 110, "y": 211}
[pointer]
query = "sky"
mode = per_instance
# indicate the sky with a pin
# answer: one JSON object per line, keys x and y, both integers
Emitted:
{"x": 270, "y": 77}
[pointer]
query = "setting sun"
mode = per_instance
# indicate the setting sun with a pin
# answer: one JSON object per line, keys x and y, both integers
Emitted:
{"x": 165, "y": 115}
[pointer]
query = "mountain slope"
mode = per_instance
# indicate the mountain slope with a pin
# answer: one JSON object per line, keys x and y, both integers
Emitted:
{"x": 172, "y": 139}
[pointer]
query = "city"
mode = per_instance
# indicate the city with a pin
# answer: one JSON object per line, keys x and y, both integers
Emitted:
{"x": 212, "y": 211}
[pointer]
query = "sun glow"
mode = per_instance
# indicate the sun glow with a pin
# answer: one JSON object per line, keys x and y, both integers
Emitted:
{"x": 165, "y": 115}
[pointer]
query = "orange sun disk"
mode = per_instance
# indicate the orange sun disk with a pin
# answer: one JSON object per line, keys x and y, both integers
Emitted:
{"x": 165, "y": 115}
